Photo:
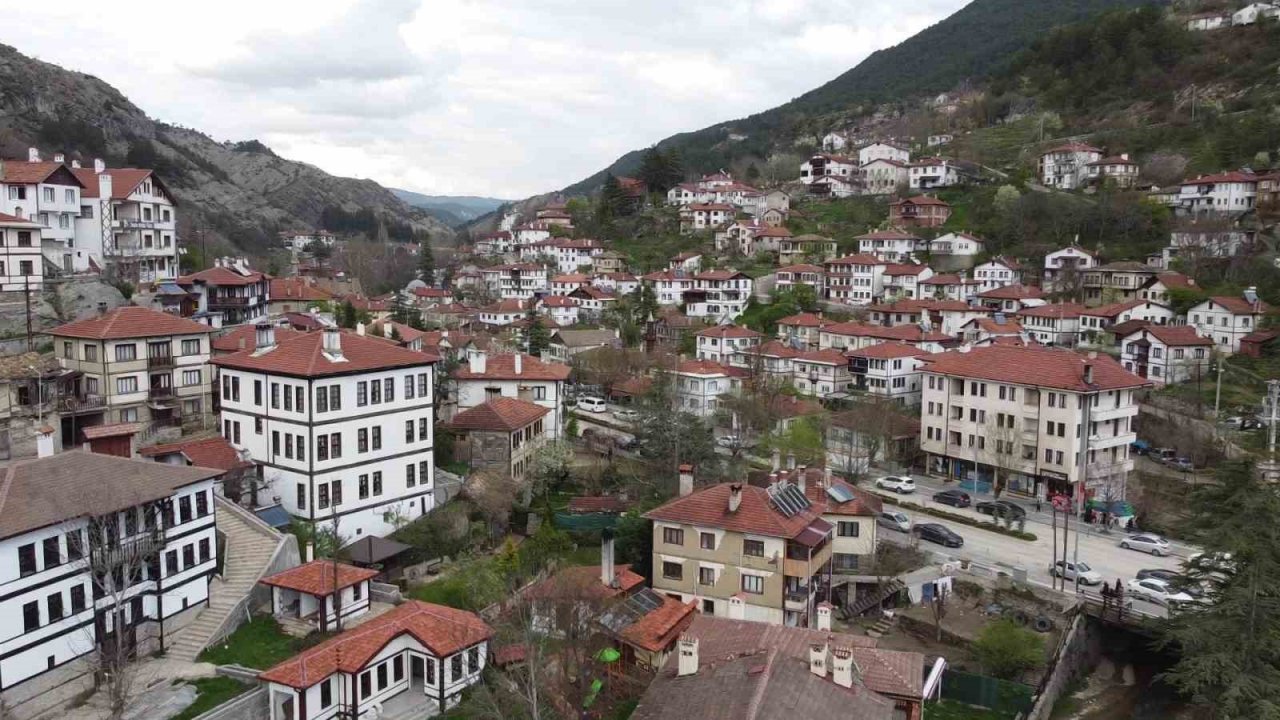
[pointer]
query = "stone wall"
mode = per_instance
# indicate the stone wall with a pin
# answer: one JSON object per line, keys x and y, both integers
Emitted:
{"x": 253, "y": 705}
{"x": 1077, "y": 653}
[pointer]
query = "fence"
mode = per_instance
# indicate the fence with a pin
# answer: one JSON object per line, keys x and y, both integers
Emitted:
{"x": 1003, "y": 696}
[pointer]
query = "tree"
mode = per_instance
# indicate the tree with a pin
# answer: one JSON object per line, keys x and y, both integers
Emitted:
{"x": 536, "y": 336}
{"x": 1006, "y": 650}
{"x": 670, "y": 437}
{"x": 660, "y": 170}
{"x": 802, "y": 439}
{"x": 1229, "y": 647}
{"x": 347, "y": 315}
{"x": 938, "y": 609}
{"x": 426, "y": 261}
{"x": 550, "y": 468}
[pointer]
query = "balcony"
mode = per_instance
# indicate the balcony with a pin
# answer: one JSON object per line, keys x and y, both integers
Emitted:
{"x": 130, "y": 552}
{"x": 1101, "y": 442}
{"x": 160, "y": 395}
{"x": 78, "y": 404}
{"x": 796, "y": 600}
{"x": 160, "y": 362}
{"x": 220, "y": 301}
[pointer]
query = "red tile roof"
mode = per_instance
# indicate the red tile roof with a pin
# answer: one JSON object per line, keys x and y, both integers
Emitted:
{"x": 905, "y": 269}
{"x": 659, "y": 628}
{"x": 857, "y": 259}
{"x": 1173, "y": 280}
{"x": 443, "y": 630}
{"x": 583, "y": 581}
{"x": 773, "y": 348}
{"x": 861, "y": 502}
{"x": 123, "y": 181}
{"x": 296, "y": 289}
{"x": 719, "y": 275}
{"x": 214, "y": 452}
{"x": 991, "y": 327}
{"x": 130, "y": 321}
{"x": 887, "y": 351}
{"x": 11, "y": 220}
{"x": 801, "y": 268}
{"x": 921, "y": 200}
{"x": 1015, "y": 291}
{"x": 1240, "y": 306}
{"x": 222, "y": 276}
{"x": 96, "y": 432}
{"x": 502, "y": 367}
{"x": 709, "y": 507}
{"x": 830, "y": 356}
{"x": 1056, "y": 310}
{"x": 1226, "y": 177}
{"x": 571, "y": 278}
{"x": 1041, "y": 366}
{"x": 1177, "y": 335}
{"x": 1114, "y": 309}
{"x": 499, "y": 414}
{"x": 20, "y": 172}
{"x": 804, "y": 320}
{"x": 304, "y": 356}
{"x": 908, "y": 333}
{"x": 728, "y": 331}
{"x": 318, "y": 578}
{"x": 707, "y": 367}
{"x": 890, "y": 234}
{"x": 505, "y": 307}
{"x": 558, "y": 301}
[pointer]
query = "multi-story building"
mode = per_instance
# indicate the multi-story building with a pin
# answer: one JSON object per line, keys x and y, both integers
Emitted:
{"x": 883, "y": 151}
{"x": 1067, "y": 266}
{"x": 618, "y": 283}
{"x": 1166, "y": 354}
{"x": 1158, "y": 288}
{"x": 856, "y": 335}
{"x": 919, "y": 211}
{"x": 1056, "y": 324}
{"x": 1065, "y": 167}
{"x": 1116, "y": 281}
{"x": 998, "y": 272}
{"x": 1229, "y": 192}
{"x": 230, "y": 293}
{"x": 945, "y": 316}
{"x": 738, "y": 550}
{"x": 804, "y": 248}
{"x": 887, "y": 370}
{"x": 1228, "y": 319}
{"x": 1094, "y": 322}
{"x": 802, "y": 274}
{"x": 567, "y": 255}
{"x": 720, "y": 343}
{"x": 802, "y": 331}
{"x": 905, "y": 281}
{"x": 520, "y": 281}
{"x": 719, "y": 294}
{"x": 341, "y": 423}
{"x": 560, "y": 308}
{"x": 500, "y": 435}
{"x": 506, "y": 312}
{"x": 701, "y": 383}
{"x": 855, "y": 279}
{"x": 100, "y": 552}
{"x": 1011, "y": 298}
{"x": 884, "y": 176}
{"x": 821, "y": 373}
{"x": 956, "y": 244}
{"x": 129, "y": 218}
{"x": 930, "y": 173}
{"x": 295, "y": 294}
{"x": 29, "y": 384}
{"x": 484, "y": 377}
{"x": 1021, "y": 416}
{"x": 950, "y": 286}
{"x": 773, "y": 360}
{"x": 831, "y": 175}
{"x": 593, "y": 302}
{"x": 49, "y": 195}
{"x": 21, "y": 258}
{"x": 705, "y": 216}
{"x": 669, "y": 286}
{"x": 299, "y": 240}
{"x": 131, "y": 365}
{"x": 1117, "y": 169}
{"x": 892, "y": 245}
{"x": 568, "y": 282}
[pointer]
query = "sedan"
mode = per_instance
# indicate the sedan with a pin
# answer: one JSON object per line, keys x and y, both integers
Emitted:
{"x": 1001, "y": 508}
{"x": 897, "y": 483}
{"x": 1158, "y": 592}
{"x": 1146, "y": 542}
{"x": 732, "y": 442}
{"x": 1183, "y": 464}
{"x": 936, "y": 533}
{"x": 954, "y": 498}
{"x": 1169, "y": 576}
{"x": 894, "y": 520}
{"x": 626, "y": 414}
{"x": 1069, "y": 570}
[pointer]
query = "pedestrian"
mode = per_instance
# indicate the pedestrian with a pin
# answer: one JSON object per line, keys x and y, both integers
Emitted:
{"x": 1037, "y": 503}
{"x": 1128, "y": 526}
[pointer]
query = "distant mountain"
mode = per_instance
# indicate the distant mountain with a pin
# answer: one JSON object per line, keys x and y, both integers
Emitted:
{"x": 453, "y": 210}
{"x": 974, "y": 41}
{"x": 241, "y": 191}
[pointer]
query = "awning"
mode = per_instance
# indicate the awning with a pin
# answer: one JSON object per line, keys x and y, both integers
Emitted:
{"x": 369, "y": 550}
{"x": 815, "y": 534}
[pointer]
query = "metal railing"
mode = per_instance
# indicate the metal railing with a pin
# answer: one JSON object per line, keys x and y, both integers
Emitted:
{"x": 73, "y": 404}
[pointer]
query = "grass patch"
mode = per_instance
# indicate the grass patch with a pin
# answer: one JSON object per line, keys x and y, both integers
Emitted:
{"x": 460, "y": 469}
{"x": 259, "y": 643}
{"x": 469, "y": 585}
{"x": 210, "y": 693}
{"x": 952, "y": 710}
{"x": 962, "y": 519}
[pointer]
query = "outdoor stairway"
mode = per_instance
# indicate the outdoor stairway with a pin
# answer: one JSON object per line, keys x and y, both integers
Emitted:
{"x": 873, "y": 599}
{"x": 881, "y": 628}
{"x": 248, "y": 553}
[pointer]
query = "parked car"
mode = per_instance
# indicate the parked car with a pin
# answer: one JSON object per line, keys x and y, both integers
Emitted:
{"x": 1140, "y": 447}
{"x": 894, "y": 520}
{"x": 1002, "y": 509}
{"x": 1183, "y": 464}
{"x": 593, "y": 404}
{"x": 1146, "y": 542}
{"x": 952, "y": 497}
{"x": 1158, "y": 591}
{"x": 733, "y": 442}
{"x": 1163, "y": 455}
{"x": 897, "y": 483}
{"x": 1169, "y": 576}
{"x": 936, "y": 533}
{"x": 626, "y": 414}
{"x": 1068, "y": 570}
{"x": 628, "y": 444}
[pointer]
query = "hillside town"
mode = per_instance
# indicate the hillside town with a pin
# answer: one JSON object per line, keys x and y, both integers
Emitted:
{"x": 803, "y": 435}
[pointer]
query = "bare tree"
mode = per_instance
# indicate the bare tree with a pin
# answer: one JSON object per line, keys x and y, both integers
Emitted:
{"x": 1001, "y": 439}
{"x": 938, "y": 608}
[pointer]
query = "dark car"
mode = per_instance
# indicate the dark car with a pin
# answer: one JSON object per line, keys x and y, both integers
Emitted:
{"x": 955, "y": 498}
{"x": 1170, "y": 576}
{"x": 629, "y": 444}
{"x": 1001, "y": 508}
{"x": 936, "y": 533}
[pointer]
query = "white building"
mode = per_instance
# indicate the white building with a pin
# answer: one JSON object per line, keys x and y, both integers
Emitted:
{"x": 1012, "y": 298}
{"x": 1227, "y": 319}
{"x": 821, "y": 373}
{"x": 838, "y": 167}
{"x": 888, "y": 370}
{"x": 230, "y": 293}
{"x": 855, "y": 279}
{"x": 323, "y": 593}
{"x": 1096, "y": 320}
{"x": 1229, "y": 192}
{"x": 567, "y": 283}
{"x": 720, "y": 343}
{"x": 1251, "y": 13}
{"x": 21, "y": 259}
{"x": 519, "y": 280}
{"x": 884, "y": 176}
{"x": 929, "y": 173}
{"x": 906, "y": 280}
{"x": 48, "y": 194}
{"x": 506, "y": 312}
{"x": 960, "y": 244}
{"x": 1167, "y": 354}
{"x": 484, "y": 377}
{"x": 560, "y": 308}
{"x": 1028, "y": 411}
{"x": 1067, "y": 261}
{"x": 833, "y": 142}
{"x": 892, "y": 245}
{"x": 997, "y": 272}
{"x": 669, "y": 286}
{"x": 342, "y": 425}
{"x": 883, "y": 151}
{"x": 802, "y": 274}
{"x": 1064, "y": 167}
{"x": 719, "y": 294}
{"x": 413, "y": 660}
{"x": 1118, "y": 169}
{"x": 1208, "y": 21}
{"x": 60, "y": 601}
{"x": 618, "y": 283}
{"x": 701, "y": 383}
{"x": 705, "y": 216}
{"x": 128, "y": 217}
{"x": 939, "y": 139}
{"x": 299, "y": 240}
{"x": 1056, "y": 324}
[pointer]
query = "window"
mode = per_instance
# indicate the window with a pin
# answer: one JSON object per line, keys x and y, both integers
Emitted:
{"x": 257, "y": 426}
{"x": 127, "y": 384}
{"x": 423, "y": 385}
{"x": 362, "y": 440}
{"x": 754, "y": 548}
{"x": 297, "y": 399}
{"x": 706, "y": 576}
{"x": 322, "y": 400}
{"x": 190, "y": 347}
{"x": 389, "y": 389}
{"x": 75, "y": 546}
{"x": 190, "y": 378}
{"x": 336, "y": 488}
{"x": 424, "y": 472}
{"x": 672, "y": 536}
{"x": 322, "y": 499}
{"x": 188, "y": 556}
{"x": 335, "y": 398}
{"x": 204, "y": 550}
{"x": 431, "y": 671}
{"x": 377, "y": 437}
{"x": 335, "y": 446}
{"x": 54, "y": 603}
{"x": 298, "y": 447}
{"x": 275, "y": 396}
{"x": 366, "y": 683}
{"x": 375, "y": 392}
{"x": 357, "y": 591}
{"x": 409, "y": 478}
{"x": 707, "y": 541}
{"x": 363, "y": 487}
{"x": 288, "y": 446}
{"x": 377, "y": 483}
{"x": 362, "y": 393}
{"x": 31, "y": 616}
{"x": 847, "y": 529}
{"x": 171, "y": 563}
{"x": 455, "y": 666}
{"x": 275, "y": 442}
{"x": 322, "y": 447}
{"x": 382, "y": 676}
{"x": 302, "y": 496}
{"x": 52, "y": 555}
{"x": 326, "y": 693}
{"x": 672, "y": 571}
{"x": 397, "y": 664}
{"x": 288, "y": 399}
{"x": 184, "y": 508}
{"x": 753, "y": 584}
{"x": 424, "y": 428}
{"x": 77, "y": 598}
{"x": 27, "y": 560}
{"x": 473, "y": 660}
{"x": 408, "y": 431}
{"x": 126, "y": 352}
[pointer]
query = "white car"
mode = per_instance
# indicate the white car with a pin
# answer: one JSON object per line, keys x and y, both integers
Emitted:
{"x": 897, "y": 483}
{"x": 732, "y": 442}
{"x": 1158, "y": 591}
{"x": 626, "y": 415}
{"x": 1147, "y": 543}
{"x": 593, "y": 404}
{"x": 894, "y": 520}
{"x": 1068, "y": 570}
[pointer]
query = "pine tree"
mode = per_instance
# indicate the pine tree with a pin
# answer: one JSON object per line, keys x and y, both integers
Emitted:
{"x": 426, "y": 261}
{"x": 536, "y": 335}
{"x": 347, "y": 316}
{"x": 660, "y": 170}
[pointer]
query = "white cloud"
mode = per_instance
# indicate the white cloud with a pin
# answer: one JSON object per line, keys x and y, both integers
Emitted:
{"x": 499, "y": 97}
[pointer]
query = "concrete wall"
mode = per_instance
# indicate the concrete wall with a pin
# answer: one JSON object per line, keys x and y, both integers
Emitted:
{"x": 253, "y": 705}
{"x": 1077, "y": 653}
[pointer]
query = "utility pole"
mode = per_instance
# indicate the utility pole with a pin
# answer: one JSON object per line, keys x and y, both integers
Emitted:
{"x": 26, "y": 293}
{"x": 1217, "y": 395}
{"x": 1083, "y": 469}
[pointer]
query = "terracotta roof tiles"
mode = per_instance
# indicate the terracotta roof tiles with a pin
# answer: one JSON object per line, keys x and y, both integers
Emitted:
{"x": 499, "y": 414}
{"x": 318, "y": 577}
{"x": 304, "y": 356}
{"x": 1039, "y": 366}
{"x": 503, "y": 367}
{"x": 130, "y": 321}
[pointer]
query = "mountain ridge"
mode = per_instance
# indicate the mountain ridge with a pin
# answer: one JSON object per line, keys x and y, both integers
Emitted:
{"x": 454, "y": 210}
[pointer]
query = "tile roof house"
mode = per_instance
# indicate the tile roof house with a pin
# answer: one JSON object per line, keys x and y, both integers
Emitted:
{"x": 1227, "y": 319}
{"x": 321, "y": 592}
{"x": 515, "y": 375}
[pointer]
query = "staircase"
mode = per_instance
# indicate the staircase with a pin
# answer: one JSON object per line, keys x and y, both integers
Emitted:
{"x": 872, "y": 599}
{"x": 248, "y": 553}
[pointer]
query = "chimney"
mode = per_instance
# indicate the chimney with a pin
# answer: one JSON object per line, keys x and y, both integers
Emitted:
{"x": 33, "y": 154}
{"x": 386, "y": 329}
{"x": 264, "y": 337}
{"x": 791, "y": 461}
{"x": 360, "y": 329}
{"x": 842, "y": 666}
{"x": 818, "y": 659}
{"x": 826, "y": 476}
{"x": 798, "y": 478}
{"x": 519, "y": 363}
{"x": 309, "y": 552}
{"x": 688, "y": 649}
{"x": 104, "y": 188}
{"x": 476, "y": 361}
{"x": 686, "y": 479}
{"x": 102, "y": 307}
{"x": 332, "y": 342}
{"x": 59, "y": 158}
{"x": 99, "y": 166}
{"x": 607, "y": 575}
{"x": 777, "y": 460}
{"x": 75, "y": 164}
{"x": 824, "y": 616}
{"x": 735, "y": 497}
{"x": 1088, "y": 373}
{"x": 44, "y": 442}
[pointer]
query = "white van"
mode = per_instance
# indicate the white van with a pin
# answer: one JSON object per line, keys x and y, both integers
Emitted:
{"x": 593, "y": 404}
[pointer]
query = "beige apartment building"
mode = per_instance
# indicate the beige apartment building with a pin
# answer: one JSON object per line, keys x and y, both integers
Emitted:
{"x": 133, "y": 365}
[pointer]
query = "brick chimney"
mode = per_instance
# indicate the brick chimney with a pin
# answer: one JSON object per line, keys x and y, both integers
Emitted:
{"x": 688, "y": 649}
{"x": 735, "y": 497}
{"x": 686, "y": 479}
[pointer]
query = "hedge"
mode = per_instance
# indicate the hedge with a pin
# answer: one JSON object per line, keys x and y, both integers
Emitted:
{"x": 962, "y": 519}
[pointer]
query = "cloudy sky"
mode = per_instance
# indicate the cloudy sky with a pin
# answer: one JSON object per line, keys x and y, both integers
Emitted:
{"x": 490, "y": 97}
